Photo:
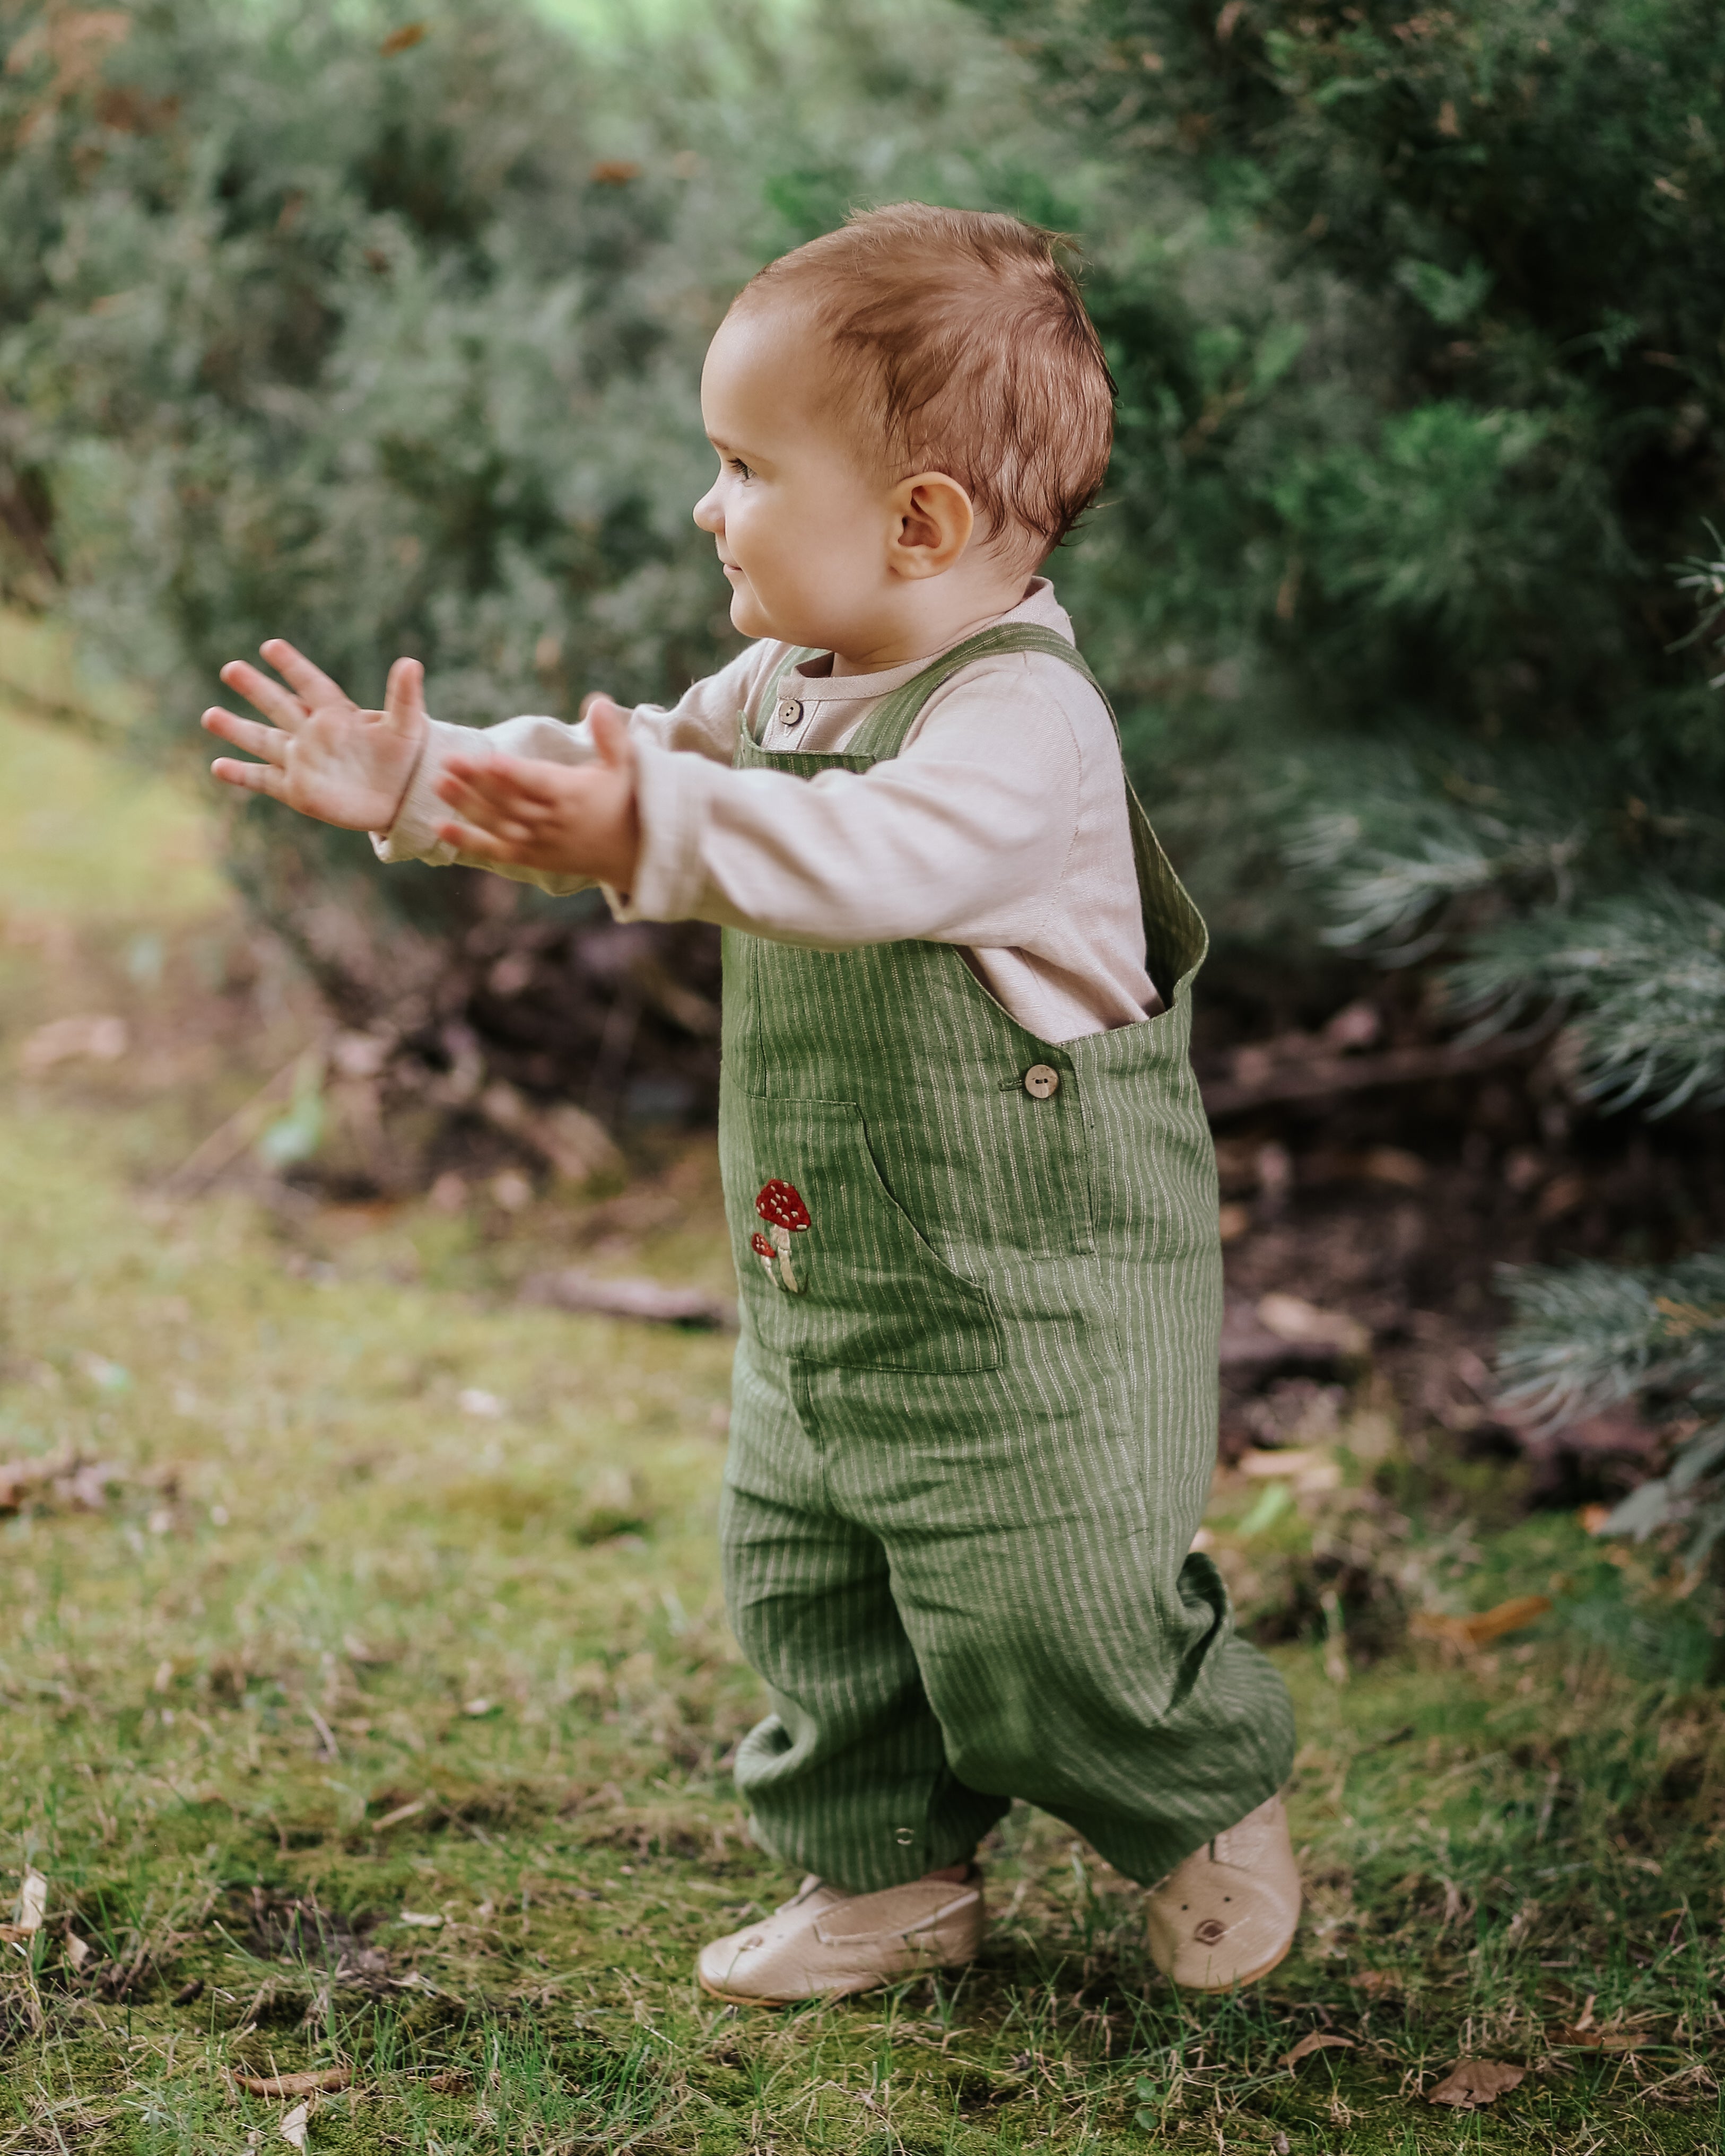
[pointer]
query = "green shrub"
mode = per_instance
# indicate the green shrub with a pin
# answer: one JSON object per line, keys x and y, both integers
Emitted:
{"x": 385, "y": 335}
{"x": 1425, "y": 399}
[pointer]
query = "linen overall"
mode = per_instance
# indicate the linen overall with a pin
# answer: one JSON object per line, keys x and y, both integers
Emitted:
{"x": 974, "y": 1414}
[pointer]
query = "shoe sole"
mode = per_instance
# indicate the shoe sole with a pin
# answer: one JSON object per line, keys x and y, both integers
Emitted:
{"x": 832, "y": 1991}
{"x": 1247, "y": 1976}
{"x": 804, "y": 1998}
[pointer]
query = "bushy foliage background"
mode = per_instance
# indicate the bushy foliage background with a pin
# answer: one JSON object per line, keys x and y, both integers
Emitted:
{"x": 383, "y": 333}
{"x": 1420, "y": 487}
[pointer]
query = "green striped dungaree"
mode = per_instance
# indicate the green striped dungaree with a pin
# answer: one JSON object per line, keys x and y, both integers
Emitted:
{"x": 974, "y": 1414}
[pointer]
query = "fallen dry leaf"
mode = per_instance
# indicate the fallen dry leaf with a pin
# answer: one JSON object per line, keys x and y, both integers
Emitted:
{"x": 64, "y": 1478}
{"x": 78, "y": 1951}
{"x": 293, "y": 2126}
{"x": 63, "y": 1040}
{"x": 322, "y": 2083}
{"x": 1316, "y": 2039}
{"x": 403, "y": 39}
{"x": 32, "y": 1901}
{"x": 430, "y": 1921}
{"x": 1390, "y": 1164}
{"x": 1470, "y": 2082}
{"x": 1308, "y": 1467}
{"x": 1303, "y": 1325}
{"x": 1487, "y": 1624}
{"x": 1572, "y": 2034}
{"x": 451, "y": 2081}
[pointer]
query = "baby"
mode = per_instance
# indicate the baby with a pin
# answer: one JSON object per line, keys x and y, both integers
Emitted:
{"x": 971, "y": 1189}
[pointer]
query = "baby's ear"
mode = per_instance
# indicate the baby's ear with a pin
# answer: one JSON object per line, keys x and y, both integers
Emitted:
{"x": 935, "y": 522}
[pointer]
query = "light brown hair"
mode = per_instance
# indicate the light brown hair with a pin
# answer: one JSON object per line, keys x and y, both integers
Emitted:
{"x": 963, "y": 336}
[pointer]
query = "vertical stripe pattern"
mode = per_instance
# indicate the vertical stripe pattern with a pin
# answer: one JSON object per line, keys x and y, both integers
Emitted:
{"x": 971, "y": 1447}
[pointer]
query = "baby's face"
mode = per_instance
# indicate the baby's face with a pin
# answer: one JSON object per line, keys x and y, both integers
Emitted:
{"x": 803, "y": 528}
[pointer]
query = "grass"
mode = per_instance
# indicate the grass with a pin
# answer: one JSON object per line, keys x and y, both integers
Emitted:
{"x": 375, "y": 1712}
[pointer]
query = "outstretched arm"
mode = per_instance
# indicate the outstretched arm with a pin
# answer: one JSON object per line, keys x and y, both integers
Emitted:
{"x": 320, "y": 753}
{"x": 579, "y": 820}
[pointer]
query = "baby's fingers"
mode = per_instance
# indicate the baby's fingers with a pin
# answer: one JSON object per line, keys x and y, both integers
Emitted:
{"x": 268, "y": 742}
{"x": 510, "y": 814}
{"x": 314, "y": 685}
{"x": 474, "y": 807}
{"x": 265, "y": 695}
{"x": 251, "y": 777}
{"x": 481, "y": 845}
{"x": 509, "y": 780}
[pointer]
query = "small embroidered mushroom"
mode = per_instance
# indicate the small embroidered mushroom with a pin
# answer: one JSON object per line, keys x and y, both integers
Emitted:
{"x": 763, "y": 1250}
{"x": 786, "y": 1215}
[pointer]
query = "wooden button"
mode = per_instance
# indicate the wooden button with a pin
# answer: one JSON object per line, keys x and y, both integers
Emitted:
{"x": 789, "y": 711}
{"x": 1040, "y": 1081}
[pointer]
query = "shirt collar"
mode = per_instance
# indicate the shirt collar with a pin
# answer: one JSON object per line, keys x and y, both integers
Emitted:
{"x": 1039, "y": 607}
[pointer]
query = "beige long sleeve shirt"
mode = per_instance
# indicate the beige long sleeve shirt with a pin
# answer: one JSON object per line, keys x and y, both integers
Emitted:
{"x": 1000, "y": 827}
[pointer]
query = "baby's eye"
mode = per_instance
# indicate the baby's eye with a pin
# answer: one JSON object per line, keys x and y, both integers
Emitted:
{"x": 737, "y": 465}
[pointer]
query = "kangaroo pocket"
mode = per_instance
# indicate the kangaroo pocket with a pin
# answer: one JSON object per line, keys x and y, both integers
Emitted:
{"x": 832, "y": 1269}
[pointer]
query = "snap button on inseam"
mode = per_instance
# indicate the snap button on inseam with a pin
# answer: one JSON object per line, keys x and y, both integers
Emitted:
{"x": 1040, "y": 1081}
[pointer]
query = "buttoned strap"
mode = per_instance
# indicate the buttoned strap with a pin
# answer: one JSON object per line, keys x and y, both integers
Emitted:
{"x": 754, "y": 722}
{"x": 882, "y": 734}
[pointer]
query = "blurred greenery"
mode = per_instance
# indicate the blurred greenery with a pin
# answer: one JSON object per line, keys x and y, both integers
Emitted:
{"x": 1420, "y": 493}
{"x": 381, "y": 329}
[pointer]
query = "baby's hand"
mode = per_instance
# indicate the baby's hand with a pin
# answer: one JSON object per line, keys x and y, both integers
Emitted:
{"x": 577, "y": 819}
{"x": 322, "y": 754}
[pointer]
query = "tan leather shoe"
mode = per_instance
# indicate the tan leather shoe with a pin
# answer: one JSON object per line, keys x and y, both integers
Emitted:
{"x": 1228, "y": 1915}
{"x": 824, "y": 1943}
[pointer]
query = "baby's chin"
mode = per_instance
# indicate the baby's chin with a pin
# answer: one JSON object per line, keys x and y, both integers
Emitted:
{"x": 748, "y": 618}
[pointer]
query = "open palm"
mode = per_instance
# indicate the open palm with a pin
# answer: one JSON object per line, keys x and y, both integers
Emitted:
{"x": 320, "y": 753}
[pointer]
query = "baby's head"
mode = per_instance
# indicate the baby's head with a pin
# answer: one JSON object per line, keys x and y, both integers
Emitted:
{"x": 909, "y": 413}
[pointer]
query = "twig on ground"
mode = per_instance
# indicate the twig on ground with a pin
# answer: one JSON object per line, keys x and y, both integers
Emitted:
{"x": 1314, "y": 1078}
{"x": 229, "y": 1139}
{"x": 647, "y": 1301}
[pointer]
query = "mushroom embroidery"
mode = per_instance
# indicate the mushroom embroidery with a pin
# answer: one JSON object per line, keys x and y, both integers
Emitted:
{"x": 763, "y": 1250}
{"x": 782, "y": 1210}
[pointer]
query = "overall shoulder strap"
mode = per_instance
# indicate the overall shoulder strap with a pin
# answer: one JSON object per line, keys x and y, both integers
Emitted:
{"x": 1175, "y": 935}
{"x": 882, "y": 734}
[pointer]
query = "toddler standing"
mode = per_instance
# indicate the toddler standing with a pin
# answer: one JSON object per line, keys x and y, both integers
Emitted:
{"x": 971, "y": 1189}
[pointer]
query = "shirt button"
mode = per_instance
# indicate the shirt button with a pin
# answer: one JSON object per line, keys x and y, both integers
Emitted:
{"x": 1040, "y": 1081}
{"x": 789, "y": 711}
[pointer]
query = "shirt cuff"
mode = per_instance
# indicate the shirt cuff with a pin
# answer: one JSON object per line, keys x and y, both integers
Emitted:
{"x": 672, "y": 791}
{"x": 413, "y": 836}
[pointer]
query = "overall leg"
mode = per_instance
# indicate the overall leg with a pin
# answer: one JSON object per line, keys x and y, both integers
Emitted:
{"x": 1073, "y": 1654}
{"x": 848, "y": 1776}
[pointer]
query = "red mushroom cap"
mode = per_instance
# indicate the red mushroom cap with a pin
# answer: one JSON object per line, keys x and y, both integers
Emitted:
{"x": 781, "y": 1207}
{"x": 760, "y": 1246}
